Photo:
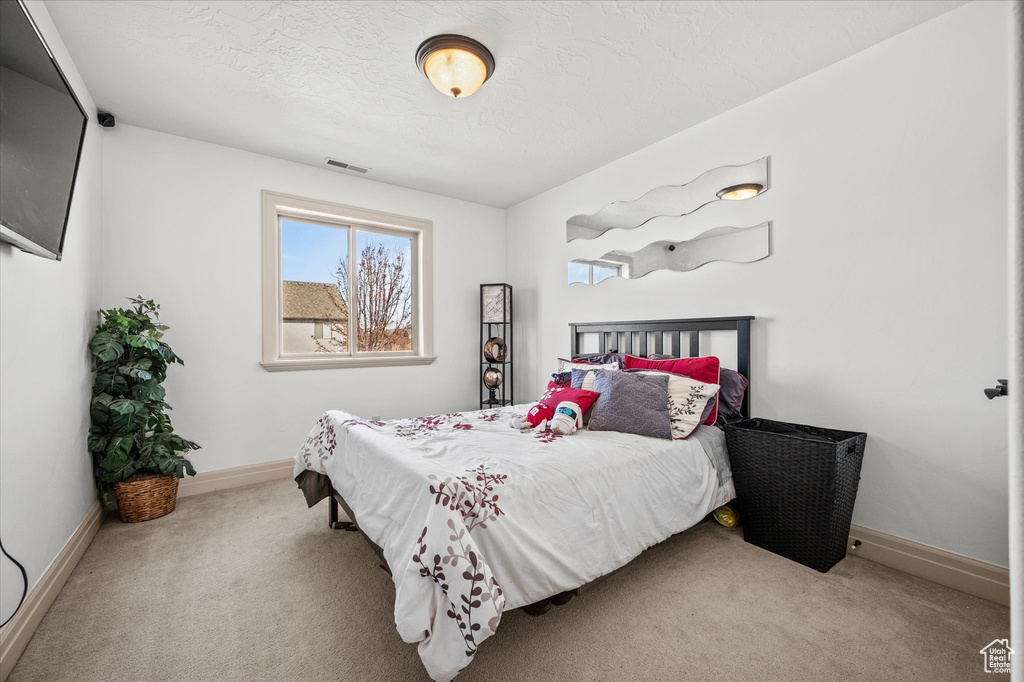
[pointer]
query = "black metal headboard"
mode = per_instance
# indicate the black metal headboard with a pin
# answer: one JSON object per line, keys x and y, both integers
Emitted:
{"x": 619, "y": 337}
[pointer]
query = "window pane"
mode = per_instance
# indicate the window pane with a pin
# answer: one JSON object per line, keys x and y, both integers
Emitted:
{"x": 384, "y": 292}
{"x": 579, "y": 272}
{"x": 313, "y": 290}
{"x": 602, "y": 273}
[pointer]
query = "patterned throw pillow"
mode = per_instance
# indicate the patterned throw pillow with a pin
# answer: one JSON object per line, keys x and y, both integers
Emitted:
{"x": 632, "y": 403}
{"x": 598, "y": 358}
{"x": 688, "y": 401}
{"x": 583, "y": 378}
{"x": 702, "y": 369}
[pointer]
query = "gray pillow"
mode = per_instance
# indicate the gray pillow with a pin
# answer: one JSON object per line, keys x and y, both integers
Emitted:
{"x": 631, "y": 403}
{"x": 734, "y": 385}
{"x": 729, "y": 398}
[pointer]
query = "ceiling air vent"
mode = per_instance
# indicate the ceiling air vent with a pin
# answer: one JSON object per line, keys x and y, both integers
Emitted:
{"x": 346, "y": 166}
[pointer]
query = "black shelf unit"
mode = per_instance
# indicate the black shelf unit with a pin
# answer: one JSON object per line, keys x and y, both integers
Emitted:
{"x": 496, "y": 323}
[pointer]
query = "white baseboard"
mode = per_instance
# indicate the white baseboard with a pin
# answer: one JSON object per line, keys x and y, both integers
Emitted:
{"x": 236, "y": 477}
{"x": 15, "y": 636}
{"x": 962, "y": 573}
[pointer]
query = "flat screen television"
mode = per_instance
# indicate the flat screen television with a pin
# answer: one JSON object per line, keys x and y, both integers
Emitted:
{"x": 42, "y": 127}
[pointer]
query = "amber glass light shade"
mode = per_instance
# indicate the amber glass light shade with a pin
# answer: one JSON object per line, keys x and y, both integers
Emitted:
{"x": 740, "y": 192}
{"x": 456, "y": 73}
{"x": 456, "y": 65}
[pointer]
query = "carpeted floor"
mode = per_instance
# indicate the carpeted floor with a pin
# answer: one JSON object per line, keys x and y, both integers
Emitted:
{"x": 249, "y": 584}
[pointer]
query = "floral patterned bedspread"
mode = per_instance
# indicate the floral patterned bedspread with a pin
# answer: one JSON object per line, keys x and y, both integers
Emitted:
{"x": 475, "y": 517}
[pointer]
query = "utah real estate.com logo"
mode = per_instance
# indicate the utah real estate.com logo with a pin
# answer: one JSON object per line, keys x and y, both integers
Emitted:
{"x": 997, "y": 656}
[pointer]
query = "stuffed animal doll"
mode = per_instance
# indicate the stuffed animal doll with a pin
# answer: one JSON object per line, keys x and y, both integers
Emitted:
{"x": 568, "y": 417}
{"x": 537, "y": 417}
{"x": 540, "y": 414}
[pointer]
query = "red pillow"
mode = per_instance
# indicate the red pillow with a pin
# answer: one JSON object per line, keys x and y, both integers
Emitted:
{"x": 701, "y": 369}
{"x": 581, "y": 396}
{"x": 545, "y": 408}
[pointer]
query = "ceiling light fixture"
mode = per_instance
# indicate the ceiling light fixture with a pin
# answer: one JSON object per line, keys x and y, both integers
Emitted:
{"x": 739, "y": 192}
{"x": 456, "y": 65}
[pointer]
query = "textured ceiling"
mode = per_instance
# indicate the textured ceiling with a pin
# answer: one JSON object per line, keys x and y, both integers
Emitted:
{"x": 576, "y": 84}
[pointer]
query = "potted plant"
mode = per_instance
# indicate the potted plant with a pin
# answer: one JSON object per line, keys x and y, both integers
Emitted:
{"x": 134, "y": 448}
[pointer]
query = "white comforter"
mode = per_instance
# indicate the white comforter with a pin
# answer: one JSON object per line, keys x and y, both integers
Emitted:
{"x": 475, "y": 517}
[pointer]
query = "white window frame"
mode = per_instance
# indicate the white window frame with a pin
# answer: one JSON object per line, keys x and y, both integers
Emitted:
{"x": 621, "y": 269}
{"x": 278, "y": 206}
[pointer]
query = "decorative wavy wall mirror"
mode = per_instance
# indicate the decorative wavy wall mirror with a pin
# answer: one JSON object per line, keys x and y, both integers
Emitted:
{"x": 725, "y": 183}
{"x": 734, "y": 244}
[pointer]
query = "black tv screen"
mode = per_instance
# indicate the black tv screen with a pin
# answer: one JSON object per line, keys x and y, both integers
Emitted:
{"x": 42, "y": 127}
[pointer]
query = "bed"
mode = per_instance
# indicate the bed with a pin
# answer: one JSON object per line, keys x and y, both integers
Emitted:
{"x": 473, "y": 518}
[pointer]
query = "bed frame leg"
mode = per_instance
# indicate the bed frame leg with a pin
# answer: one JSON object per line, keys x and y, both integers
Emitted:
{"x": 332, "y": 515}
{"x": 332, "y": 511}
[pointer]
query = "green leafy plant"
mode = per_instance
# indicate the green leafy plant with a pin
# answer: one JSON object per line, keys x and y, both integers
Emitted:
{"x": 131, "y": 434}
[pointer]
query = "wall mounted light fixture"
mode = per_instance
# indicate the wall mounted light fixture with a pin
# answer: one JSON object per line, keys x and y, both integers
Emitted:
{"x": 740, "y": 192}
{"x": 740, "y": 182}
{"x": 456, "y": 65}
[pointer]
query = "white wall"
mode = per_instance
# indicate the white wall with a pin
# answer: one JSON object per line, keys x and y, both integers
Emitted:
{"x": 47, "y": 313}
{"x": 182, "y": 225}
{"x": 883, "y": 305}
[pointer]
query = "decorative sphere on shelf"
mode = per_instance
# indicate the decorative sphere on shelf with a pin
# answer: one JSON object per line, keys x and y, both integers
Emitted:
{"x": 493, "y": 377}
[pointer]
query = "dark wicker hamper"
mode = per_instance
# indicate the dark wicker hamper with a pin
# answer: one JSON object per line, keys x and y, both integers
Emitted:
{"x": 796, "y": 491}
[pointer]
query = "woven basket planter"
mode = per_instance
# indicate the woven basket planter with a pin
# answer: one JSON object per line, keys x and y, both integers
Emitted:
{"x": 146, "y": 497}
{"x": 796, "y": 492}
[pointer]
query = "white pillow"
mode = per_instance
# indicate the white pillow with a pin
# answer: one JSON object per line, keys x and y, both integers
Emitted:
{"x": 568, "y": 366}
{"x": 687, "y": 399}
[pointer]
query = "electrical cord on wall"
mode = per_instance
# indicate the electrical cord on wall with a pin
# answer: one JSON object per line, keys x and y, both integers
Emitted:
{"x": 24, "y": 578}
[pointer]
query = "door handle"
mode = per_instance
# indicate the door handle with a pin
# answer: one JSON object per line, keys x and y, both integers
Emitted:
{"x": 999, "y": 390}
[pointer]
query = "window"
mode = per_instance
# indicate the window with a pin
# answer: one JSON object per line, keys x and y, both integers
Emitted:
{"x": 592, "y": 272}
{"x": 343, "y": 286}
